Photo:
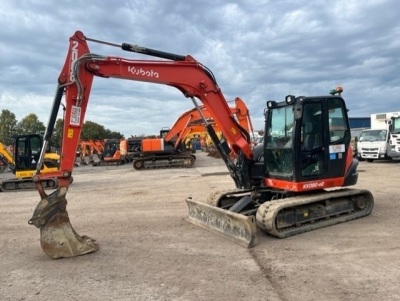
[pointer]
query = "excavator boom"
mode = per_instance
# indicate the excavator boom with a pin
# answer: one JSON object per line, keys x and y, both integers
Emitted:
{"x": 182, "y": 72}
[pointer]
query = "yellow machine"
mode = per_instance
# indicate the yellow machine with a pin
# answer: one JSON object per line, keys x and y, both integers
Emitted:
{"x": 6, "y": 157}
{"x": 26, "y": 154}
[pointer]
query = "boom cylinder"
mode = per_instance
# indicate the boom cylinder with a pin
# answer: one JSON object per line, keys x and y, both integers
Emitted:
{"x": 50, "y": 126}
{"x": 152, "y": 52}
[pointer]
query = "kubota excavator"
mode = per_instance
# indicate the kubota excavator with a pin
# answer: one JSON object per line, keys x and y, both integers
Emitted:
{"x": 284, "y": 187}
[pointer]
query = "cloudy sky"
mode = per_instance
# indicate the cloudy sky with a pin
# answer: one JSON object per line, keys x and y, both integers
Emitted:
{"x": 258, "y": 50}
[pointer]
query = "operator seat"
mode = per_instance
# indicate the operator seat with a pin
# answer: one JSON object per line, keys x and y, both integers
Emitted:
{"x": 313, "y": 158}
{"x": 311, "y": 136}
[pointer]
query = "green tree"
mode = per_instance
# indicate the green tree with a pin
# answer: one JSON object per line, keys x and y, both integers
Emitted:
{"x": 112, "y": 134}
{"x": 8, "y": 127}
{"x": 30, "y": 125}
{"x": 92, "y": 130}
{"x": 57, "y": 134}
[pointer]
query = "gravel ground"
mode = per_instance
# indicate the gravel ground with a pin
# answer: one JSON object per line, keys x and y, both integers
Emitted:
{"x": 150, "y": 252}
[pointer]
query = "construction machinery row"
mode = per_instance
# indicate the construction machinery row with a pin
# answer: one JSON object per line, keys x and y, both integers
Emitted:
{"x": 290, "y": 184}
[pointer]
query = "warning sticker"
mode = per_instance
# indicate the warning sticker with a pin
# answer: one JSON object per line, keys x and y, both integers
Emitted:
{"x": 75, "y": 118}
{"x": 338, "y": 148}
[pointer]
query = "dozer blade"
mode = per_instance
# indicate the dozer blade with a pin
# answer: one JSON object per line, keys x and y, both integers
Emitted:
{"x": 235, "y": 227}
{"x": 59, "y": 239}
{"x": 57, "y": 236}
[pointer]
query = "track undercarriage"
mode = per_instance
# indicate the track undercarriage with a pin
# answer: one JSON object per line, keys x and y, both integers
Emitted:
{"x": 26, "y": 184}
{"x": 282, "y": 215}
{"x": 164, "y": 161}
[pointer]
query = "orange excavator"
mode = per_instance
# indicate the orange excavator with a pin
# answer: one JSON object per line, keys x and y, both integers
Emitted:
{"x": 115, "y": 152}
{"x": 168, "y": 150}
{"x": 89, "y": 151}
{"x": 195, "y": 120}
{"x": 284, "y": 187}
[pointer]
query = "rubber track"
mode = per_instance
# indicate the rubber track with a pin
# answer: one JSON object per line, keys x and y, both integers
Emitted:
{"x": 166, "y": 162}
{"x": 25, "y": 185}
{"x": 267, "y": 212}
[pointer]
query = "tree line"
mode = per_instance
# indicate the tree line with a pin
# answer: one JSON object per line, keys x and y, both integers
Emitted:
{"x": 30, "y": 124}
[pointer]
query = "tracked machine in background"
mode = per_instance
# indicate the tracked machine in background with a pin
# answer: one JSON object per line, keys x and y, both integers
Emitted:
{"x": 89, "y": 151}
{"x": 162, "y": 153}
{"x": 115, "y": 152}
{"x": 170, "y": 151}
{"x": 27, "y": 149}
{"x": 291, "y": 184}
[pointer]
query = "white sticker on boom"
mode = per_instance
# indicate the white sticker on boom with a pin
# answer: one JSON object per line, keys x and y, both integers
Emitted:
{"x": 337, "y": 148}
{"x": 75, "y": 116}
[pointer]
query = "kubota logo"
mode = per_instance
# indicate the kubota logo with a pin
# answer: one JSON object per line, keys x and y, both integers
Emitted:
{"x": 74, "y": 57}
{"x": 142, "y": 72}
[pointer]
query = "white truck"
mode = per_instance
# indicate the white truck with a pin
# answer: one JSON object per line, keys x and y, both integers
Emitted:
{"x": 395, "y": 137}
{"x": 375, "y": 143}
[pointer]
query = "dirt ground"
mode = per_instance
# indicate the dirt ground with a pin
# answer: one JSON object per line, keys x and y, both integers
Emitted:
{"x": 150, "y": 252}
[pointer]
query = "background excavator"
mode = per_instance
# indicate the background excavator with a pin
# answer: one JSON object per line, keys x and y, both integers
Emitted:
{"x": 290, "y": 184}
{"x": 169, "y": 150}
{"x": 115, "y": 152}
{"x": 23, "y": 163}
{"x": 89, "y": 151}
{"x": 162, "y": 152}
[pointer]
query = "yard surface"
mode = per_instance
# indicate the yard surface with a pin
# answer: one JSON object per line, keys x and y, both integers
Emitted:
{"x": 150, "y": 252}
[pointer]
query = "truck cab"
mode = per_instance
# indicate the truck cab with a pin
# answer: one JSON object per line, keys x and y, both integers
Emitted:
{"x": 373, "y": 144}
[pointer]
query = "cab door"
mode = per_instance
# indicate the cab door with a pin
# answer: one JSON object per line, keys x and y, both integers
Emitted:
{"x": 324, "y": 139}
{"x": 339, "y": 137}
{"x": 27, "y": 151}
{"x": 312, "y": 149}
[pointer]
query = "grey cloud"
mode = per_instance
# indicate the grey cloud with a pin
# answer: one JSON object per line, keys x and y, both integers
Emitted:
{"x": 257, "y": 50}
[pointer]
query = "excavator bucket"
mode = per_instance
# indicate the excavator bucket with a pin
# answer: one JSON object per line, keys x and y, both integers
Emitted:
{"x": 57, "y": 236}
{"x": 235, "y": 227}
{"x": 59, "y": 239}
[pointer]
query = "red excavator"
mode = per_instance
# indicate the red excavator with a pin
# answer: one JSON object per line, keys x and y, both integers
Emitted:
{"x": 291, "y": 184}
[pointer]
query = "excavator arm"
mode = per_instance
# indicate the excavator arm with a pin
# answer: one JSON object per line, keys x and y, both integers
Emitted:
{"x": 194, "y": 80}
{"x": 6, "y": 156}
{"x": 201, "y": 117}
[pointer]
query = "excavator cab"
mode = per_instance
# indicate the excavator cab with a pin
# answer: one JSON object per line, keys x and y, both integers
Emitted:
{"x": 27, "y": 151}
{"x": 110, "y": 147}
{"x": 307, "y": 139}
